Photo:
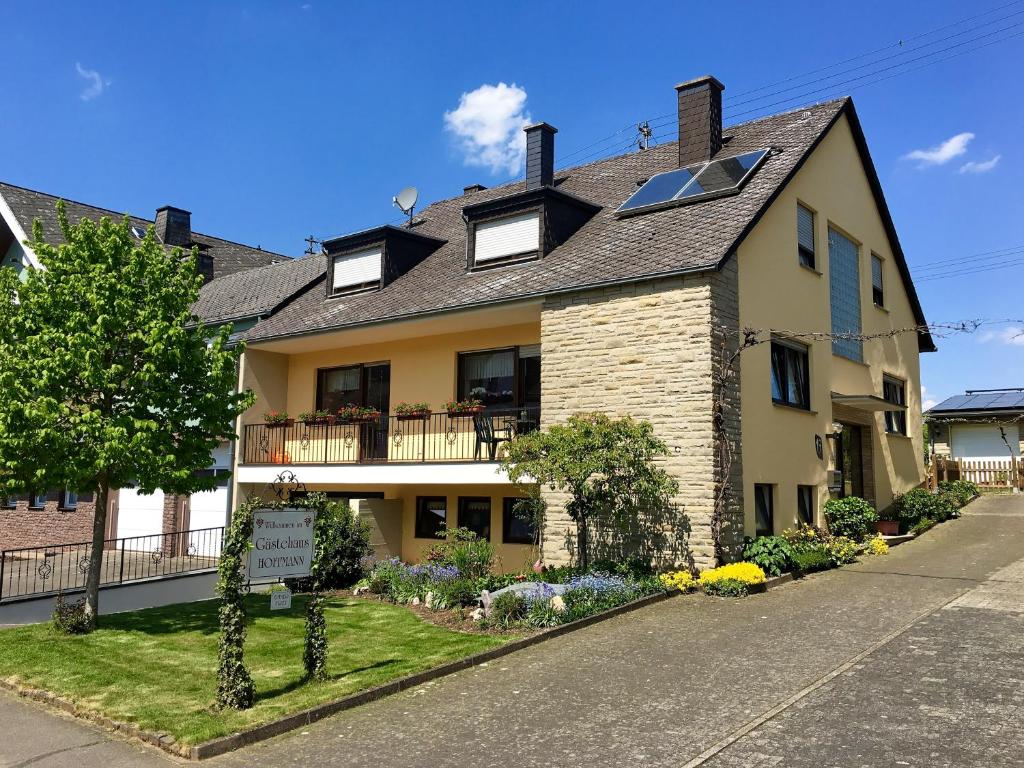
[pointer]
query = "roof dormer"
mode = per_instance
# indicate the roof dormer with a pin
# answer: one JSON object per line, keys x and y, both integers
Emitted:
{"x": 371, "y": 259}
{"x": 526, "y": 225}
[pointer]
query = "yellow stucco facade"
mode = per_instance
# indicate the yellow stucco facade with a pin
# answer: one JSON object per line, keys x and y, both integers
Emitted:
{"x": 777, "y": 292}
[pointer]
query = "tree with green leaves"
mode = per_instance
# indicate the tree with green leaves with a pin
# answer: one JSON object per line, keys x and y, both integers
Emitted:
{"x": 606, "y": 466}
{"x": 106, "y": 376}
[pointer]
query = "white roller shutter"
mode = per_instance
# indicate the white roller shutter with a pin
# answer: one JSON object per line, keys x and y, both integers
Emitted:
{"x": 984, "y": 442}
{"x": 140, "y": 517}
{"x": 358, "y": 268}
{"x": 507, "y": 237}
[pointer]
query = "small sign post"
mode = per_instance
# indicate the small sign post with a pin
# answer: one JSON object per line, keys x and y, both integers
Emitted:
{"x": 280, "y": 600}
{"x": 282, "y": 544}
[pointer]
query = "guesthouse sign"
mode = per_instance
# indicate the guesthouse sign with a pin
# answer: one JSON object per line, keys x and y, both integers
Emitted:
{"x": 282, "y": 544}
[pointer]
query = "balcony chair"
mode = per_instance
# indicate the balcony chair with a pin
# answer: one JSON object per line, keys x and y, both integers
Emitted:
{"x": 483, "y": 425}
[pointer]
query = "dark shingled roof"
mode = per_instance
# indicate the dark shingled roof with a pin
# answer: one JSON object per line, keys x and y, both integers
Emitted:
{"x": 28, "y": 205}
{"x": 607, "y": 249}
{"x": 256, "y": 292}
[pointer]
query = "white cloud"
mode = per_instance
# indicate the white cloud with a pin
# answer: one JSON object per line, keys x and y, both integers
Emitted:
{"x": 1012, "y": 335}
{"x": 927, "y": 401}
{"x": 489, "y": 124}
{"x": 982, "y": 167}
{"x": 95, "y": 80}
{"x": 943, "y": 153}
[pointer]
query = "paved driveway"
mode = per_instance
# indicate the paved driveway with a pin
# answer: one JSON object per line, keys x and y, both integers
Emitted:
{"x": 912, "y": 659}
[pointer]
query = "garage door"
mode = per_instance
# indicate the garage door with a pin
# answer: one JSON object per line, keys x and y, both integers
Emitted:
{"x": 139, "y": 515}
{"x": 207, "y": 509}
{"x": 983, "y": 442}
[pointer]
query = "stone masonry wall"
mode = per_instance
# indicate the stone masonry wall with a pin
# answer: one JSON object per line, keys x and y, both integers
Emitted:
{"x": 647, "y": 350}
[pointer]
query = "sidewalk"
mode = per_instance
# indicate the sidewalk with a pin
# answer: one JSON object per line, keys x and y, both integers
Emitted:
{"x": 664, "y": 684}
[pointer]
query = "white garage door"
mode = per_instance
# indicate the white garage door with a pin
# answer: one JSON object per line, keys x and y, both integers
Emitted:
{"x": 983, "y": 442}
{"x": 139, "y": 515}
{"x": 207, "y": 509}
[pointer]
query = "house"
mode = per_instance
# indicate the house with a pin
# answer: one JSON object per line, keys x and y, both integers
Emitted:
{"x": 622, "y": 286}
{"x": 57, "y": 516}
{"x": 981, "y": 431}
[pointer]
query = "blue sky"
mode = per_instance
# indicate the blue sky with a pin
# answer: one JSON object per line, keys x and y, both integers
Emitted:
{"x": 271, "y": 121}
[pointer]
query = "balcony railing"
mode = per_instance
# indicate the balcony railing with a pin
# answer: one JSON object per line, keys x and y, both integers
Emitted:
{"x": 436, "y": 437}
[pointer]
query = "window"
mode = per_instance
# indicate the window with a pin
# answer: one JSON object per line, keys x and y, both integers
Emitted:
{"x": 764, "y": 509}
{"x": 502, "y": 379}
{"x": 475, "y": 514}
{"x": 805, "y": 504}
{"x": 805, "y": 235}
{"x": 895, "y": 391}
{"x": 844, "y": 286}
{"x": 877, "y": 292}
{"x": 357, "y": 271}
{"x": 518, "y": 526}
{"x": 9, "y": 502}
{"x": 69, "y": 499}
{"x": 790, "y": 375}
{"x": 37, "y": 500}
{"x": 431, "y": 516}
{"x": 507, "y": 237}
{"x": 368, "y": 385}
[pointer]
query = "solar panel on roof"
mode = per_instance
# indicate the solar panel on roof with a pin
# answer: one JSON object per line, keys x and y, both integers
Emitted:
{"x": 695, "y": 182}
{"x": 660, "y": 188}
{"x": 1010, "y": 400}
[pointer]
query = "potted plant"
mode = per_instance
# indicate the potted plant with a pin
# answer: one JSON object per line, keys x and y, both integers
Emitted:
{"x": 887, "y": 524}
{"x": 274, "y": 419}
{"x": 318, "y": 416}
{"x": 346, "y": 414}
{"x": 365, "y": 413}
{"x": 463, "y": 407}
{"x": 409, "y": 411}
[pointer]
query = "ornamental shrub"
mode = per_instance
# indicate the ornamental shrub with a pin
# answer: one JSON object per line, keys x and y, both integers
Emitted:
{"x": 773, "y": 554}
{"x": 464, "y": 550}
{"x": 877, "y": 546}
{"x": 681, "y": 580}
{"x": 842, "y": 550}
{"x": 920, "y": 504}
{"x": 742, "y": 573}
{"x": 507, "y": 610}
{"x": 69, "y": 616}
{"x": 804, "y": 535}
{"x": 346, "y": 550}
{"x": 726, "y": 588}
{"x": 921, "y": 526}
{"x": 961, "y": 491}
{"x": 851, "y": 517}
{"x": 812, "y": 558}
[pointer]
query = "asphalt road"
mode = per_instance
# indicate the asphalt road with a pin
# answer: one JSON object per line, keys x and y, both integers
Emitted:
{"x": 915, "y": 659}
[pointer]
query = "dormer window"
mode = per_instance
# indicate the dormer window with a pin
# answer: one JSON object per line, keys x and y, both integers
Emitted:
{"x": 508, "y": 238}
{"x": 358, "y": 271}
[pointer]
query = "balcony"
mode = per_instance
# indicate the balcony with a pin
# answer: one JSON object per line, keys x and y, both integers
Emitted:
{"x": 432, "y": 438}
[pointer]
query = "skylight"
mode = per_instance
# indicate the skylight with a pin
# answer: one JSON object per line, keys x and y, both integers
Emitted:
{"x": 696, "y": 182}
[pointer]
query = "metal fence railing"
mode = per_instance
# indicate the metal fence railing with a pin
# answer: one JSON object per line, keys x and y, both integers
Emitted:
{"x": 432, "y": 437}
{"x": 56, "y": 568}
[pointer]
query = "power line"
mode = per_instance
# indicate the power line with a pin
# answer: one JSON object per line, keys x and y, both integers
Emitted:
{"x": 977, "y": 259}
{"x": 972, "y": 271}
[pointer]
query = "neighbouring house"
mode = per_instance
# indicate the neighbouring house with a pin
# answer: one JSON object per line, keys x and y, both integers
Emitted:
{"x": 59, "y": 516}
{"x": 619, "y": 286}
{"x": 981, "y": 431}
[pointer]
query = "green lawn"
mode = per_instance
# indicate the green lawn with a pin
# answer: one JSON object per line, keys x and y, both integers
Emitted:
{"x": 157, "y": 668}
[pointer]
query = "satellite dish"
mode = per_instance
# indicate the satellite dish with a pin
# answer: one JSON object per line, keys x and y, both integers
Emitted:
{"x": 406, "y": 200}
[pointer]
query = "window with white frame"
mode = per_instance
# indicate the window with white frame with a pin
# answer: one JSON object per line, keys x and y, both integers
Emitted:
{"x": 355, "y": 271}
{"x": 844, "y": 286}
{"x": 506, "y": 238}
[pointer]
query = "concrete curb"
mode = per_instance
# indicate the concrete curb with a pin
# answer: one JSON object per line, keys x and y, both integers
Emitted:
{"x": 223, "y": 744}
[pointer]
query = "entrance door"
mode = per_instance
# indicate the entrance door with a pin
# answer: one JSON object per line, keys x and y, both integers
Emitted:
{"x": 850, "y": 461}
{"x": 376, "y": 394}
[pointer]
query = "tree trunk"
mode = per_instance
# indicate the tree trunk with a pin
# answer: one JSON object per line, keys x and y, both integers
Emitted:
{"x": 99, "y": 530}
{"x": 581, "y": 541}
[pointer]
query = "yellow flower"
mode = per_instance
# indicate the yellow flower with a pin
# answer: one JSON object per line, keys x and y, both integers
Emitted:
{"x": 877, "y": 546}
{"x": 748, "y": 573}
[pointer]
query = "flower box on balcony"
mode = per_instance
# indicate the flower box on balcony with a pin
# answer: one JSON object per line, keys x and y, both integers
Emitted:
{"x": 413, "y": 416}
{"x": 275, "y": 419}
{"x": 457, "y": 408}
{"x": 316, "y": 418}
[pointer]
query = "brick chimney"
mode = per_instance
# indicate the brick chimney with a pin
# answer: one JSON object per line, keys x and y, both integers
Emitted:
{"x": 540, "y": 155}
{"x": 700, "y": 119}
{"x": 174, "y": 226}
